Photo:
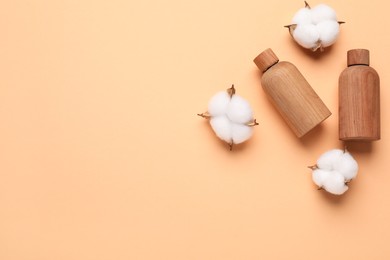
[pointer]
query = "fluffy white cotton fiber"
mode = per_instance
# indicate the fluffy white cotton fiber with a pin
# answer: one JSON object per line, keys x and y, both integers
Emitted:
{"x": 306, "y": 35}
{"x": 231, "y": 117}
{"x": 241, "y": 133}
{"x": 303, "y": 16}
{"x": 328, "y": 160}
{"x": 319, "y": 176}
{"x": 222, "y": 127}
{"x": 328, "y": 32}
{"x": 322, "y": 12}
{"x": 335, "y": 183}
{"x": 334, "y": 170}
{"x": 315, "y": 28}
{"x": 348, "y": 167}
{"x": 239, "y": 111}
{"x": 218, "y": 104}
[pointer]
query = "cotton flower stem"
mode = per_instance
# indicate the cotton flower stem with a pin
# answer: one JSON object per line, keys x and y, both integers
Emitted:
{"x": 307, "y": 5}
{"x": 205, "y": 115}
{"x": 314, "y": 167}
{"x": 231, "y": 91}
{"x": 252, "y": 123}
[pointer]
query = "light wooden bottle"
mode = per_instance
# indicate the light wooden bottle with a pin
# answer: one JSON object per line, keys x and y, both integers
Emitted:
{"x": 290, "y": 93}
{"x": 359, "y": 105}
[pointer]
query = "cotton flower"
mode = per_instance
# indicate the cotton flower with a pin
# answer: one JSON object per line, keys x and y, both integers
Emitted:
{"x": 334, "y": 170}
{"x": 315, "y": 28}
{"x": 230, "y": 116}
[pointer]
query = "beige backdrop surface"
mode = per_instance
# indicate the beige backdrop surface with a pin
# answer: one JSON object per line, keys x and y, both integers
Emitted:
{"x": 102, "y": 155}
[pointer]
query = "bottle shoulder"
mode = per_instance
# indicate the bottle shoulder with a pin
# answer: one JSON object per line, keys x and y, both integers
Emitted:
{"x": 359, "y": 77}
{"x": 359, "y": 69}
{"x": 280, "y": 68}
{"x": 285, "y": 64}
{"x": 281, "y": 75}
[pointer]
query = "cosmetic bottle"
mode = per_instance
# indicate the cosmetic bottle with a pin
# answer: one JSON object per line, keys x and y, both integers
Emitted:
{"x": 290, "y": 93}
{"x": 359, "y": 104}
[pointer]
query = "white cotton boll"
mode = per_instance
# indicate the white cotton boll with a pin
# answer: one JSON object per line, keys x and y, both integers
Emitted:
{"x": 330, "y": 159}
{"x": 329, "y": 31}
{"x": 322, "y": 13}
{"x": 303, "y": 16}
{"x": 230, "y": 117}
{"x": 334, "y": 169}
{"x": 241, "y": 133}
{"x": 218, "y": 103}
{"x": 239, "y": 110}
{"x": 319, "y": 176}
{"x": 222, "y": 128}
{"x": 335, "y": 183}
{"x": 347, "y": 166}
{"x": 306, "y": 35}
{"x": 315, "y": 28}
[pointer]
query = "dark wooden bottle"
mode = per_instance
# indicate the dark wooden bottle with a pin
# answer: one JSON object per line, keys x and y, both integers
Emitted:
{"x": 291, "y": 94}
{"x": 359, "y": 104}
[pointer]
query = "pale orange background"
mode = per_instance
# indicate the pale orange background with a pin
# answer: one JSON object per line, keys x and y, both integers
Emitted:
{"x": 102, "y": 155}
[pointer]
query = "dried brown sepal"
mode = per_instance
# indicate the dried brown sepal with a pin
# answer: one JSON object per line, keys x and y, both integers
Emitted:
{"x": 252, "y": 123}
{"x": 231, "y": 91}
{"x": 318, "y": 47}
{"x": 205, "y": 115}
{"x": 307, "y": 5}
{"x": 347, "y": 182}
{"x": 314, "y": 167}
{"x": 231, "y": 146}
{"x": 291, "y": 28}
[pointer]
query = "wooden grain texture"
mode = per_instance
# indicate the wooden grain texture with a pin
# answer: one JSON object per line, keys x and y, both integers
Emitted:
{"x": 294, "y": 98}
{"x": 359, "y": 104}
{"x": 358, "y": 57}
{"x": 265, "y": 60}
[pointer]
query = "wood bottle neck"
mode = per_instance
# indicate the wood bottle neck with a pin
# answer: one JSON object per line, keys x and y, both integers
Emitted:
{"x": 351, "y": 65}
{"x": 270, "y": 67}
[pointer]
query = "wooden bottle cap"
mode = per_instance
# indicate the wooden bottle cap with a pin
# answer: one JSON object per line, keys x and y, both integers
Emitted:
{"x": 265, "y": 60}
{"x": 358, "y": 57}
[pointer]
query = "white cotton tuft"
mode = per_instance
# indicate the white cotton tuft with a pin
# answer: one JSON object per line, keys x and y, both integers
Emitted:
{"x": 218, "y": 104}
{"x": 322, "y": 13}
{"x": 330, "y": 159}
{"x": 334, "y": 169}
{"x": 306, "y": 35}
{"x": 239, "y": 111}
{"x": 315, "y": 28}
{"x": 241, "y": 133}
{"x": 335, "y": 183}
{"x": 222, "y": 128}
{"x": 231, "y": 117}
{"x": 319, "y": 176}
{"x": 329, "y": 31}
{"x": 303, "y": 16}
{"x": 347, "y": 166}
